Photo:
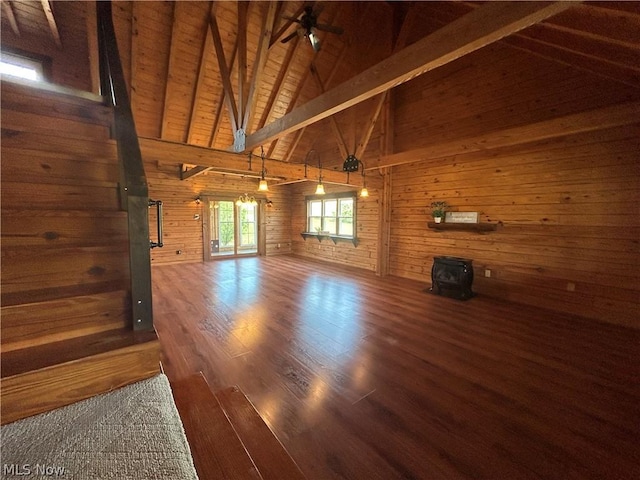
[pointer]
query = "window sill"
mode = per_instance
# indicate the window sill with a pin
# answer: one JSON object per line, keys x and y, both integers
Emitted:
{"x": 334, "y": 238}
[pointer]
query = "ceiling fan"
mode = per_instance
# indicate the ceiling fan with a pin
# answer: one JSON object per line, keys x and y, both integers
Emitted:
{"x": 309, "y": 27}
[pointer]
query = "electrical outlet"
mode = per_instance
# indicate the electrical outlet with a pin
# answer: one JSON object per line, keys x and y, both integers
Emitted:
{"x": 487, "y": 273}
{"x": 571, "y": 287}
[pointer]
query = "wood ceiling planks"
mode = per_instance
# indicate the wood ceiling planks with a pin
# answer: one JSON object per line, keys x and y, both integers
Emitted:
{"x": 176, "y": 83}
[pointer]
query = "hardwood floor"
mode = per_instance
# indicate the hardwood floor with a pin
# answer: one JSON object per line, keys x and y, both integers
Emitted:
{"x": 363, "y": 377}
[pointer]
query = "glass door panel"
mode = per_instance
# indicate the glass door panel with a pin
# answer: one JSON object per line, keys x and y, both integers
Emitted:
{"x": 247, "y": 228}
{"x": 232, "y": 229}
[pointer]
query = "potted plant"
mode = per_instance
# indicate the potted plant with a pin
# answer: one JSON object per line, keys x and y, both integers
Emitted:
{"x": 437, "y": 210}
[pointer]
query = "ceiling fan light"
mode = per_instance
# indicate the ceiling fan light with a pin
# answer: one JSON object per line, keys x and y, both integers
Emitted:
{"x": 315, "y": 41}
{"x": 263, "y": 186}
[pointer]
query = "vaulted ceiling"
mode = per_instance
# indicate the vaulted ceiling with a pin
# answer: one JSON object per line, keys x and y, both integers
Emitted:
{"x": 201, "y": 71}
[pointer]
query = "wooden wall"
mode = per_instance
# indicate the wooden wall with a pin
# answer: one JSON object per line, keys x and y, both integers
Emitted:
{"x": 345, "y": 253}
{"x": 65, "y": 257}
{"x": 182, "y": 232}
{"x": 569, "y": 206}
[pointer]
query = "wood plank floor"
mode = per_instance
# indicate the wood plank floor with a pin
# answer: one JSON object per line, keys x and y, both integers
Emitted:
{"x": 363, "y": 377}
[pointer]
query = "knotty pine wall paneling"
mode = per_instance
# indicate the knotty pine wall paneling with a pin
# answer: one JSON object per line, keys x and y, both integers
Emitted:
{"x": 367, "y": 216}
{"x": 182, "y": 232}
{"x": 569, "y": 205}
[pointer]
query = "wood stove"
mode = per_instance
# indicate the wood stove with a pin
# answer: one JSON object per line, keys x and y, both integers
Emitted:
{"x": 452, "y": 277}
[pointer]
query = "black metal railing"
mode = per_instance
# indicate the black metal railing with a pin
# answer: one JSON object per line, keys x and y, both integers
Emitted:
{"x": 134, "y": 193}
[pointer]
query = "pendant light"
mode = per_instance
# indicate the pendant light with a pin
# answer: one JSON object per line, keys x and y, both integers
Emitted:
{"x": 263, "y": 186}
{"x": 364, "y": 192}
{"x": 320, "y": 187}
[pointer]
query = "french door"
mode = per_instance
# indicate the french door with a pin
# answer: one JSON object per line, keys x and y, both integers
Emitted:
{"x": 230, "y": 229}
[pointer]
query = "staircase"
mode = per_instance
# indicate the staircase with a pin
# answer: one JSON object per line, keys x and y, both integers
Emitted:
{"x": 66, "y": 331}
{"x": 227, "y": 436}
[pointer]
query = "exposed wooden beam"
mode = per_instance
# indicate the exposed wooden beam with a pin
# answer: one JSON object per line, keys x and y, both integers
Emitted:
{"x": 205, "y": 52}
{"x": 600, "y": 65}
{"x": 192, "y": 172}
{"x": 592, "y": 120}
{"x": 243, "y": 9}
{"x": 224, "y": 74}
{"x": 7, "y": 8}
{"x": 173, "y": 53}
{"x": 485, "y": 25}
{"x": 294, "y": 99}
{"x": 292, "y": 48}
{"x": 259, "y": 63}
{"x": 51, "y": 20}
{"x": 221, "y": 101}
{"x": 153, "y": 149}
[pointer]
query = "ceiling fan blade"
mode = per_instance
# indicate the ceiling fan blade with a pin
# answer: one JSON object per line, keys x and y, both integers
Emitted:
{"x": 293, "y": 19}
{"x": 289, "y": 37}
{"x": 330, "y": 29}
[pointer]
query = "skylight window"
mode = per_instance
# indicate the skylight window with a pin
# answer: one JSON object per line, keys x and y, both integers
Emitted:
{"x": 21, "y": 67}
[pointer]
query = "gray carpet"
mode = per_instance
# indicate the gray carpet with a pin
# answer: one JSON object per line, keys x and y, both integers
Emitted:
{"x": 131, "y": 433}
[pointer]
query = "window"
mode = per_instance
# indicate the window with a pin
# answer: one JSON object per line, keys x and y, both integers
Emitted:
{"x": 22, "y": 67}
{"x": 332, "y": 215}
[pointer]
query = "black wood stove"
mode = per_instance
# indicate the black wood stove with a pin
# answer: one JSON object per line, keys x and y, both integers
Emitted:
{"x": 452, "y": 277}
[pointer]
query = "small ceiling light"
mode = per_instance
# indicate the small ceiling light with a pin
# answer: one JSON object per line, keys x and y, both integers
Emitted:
{"x": 263, "y": 186}
{"x": 364, "y": 192}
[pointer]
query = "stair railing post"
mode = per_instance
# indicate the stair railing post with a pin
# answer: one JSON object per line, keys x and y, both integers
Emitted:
{"x": 134, "y": 193}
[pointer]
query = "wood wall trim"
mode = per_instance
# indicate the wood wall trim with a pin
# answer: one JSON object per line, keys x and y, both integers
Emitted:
{"x": 591, "y": 120}
{"x": 475, "y": 30}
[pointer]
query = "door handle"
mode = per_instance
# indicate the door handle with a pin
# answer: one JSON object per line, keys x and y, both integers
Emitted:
{"x": 158, "y": 204}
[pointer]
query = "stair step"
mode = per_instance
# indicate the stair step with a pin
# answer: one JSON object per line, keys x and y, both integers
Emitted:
{"x": 56, "y": 102}
{"x": 40, "y": 378}
{"x": 48, "y": 142}
{"x": 268, "y": 454}
{"x": 216, "y": 449}
{"x": 42, "y": 123}
{"x": 32, "y": 324}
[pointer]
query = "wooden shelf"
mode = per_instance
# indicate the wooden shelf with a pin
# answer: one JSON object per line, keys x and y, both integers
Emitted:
{"x": 469, "y": 227}
{"x": 334, "y": 238}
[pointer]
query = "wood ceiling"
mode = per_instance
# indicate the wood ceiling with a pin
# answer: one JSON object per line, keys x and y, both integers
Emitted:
{"x": 199, "y": 71}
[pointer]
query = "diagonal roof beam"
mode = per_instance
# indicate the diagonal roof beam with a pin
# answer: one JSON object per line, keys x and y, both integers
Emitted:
{"x": 342, "y": 146}
{"x": 205, "y": 52}
{"x": 243, "y": 12}
{"x": 259, "y": 63}
{"x": 588, "y": 121}
{"x": 8, "y": 12}
{"x": 51, "y": 19}
{"x": 481, "y": 27}
{"x": 225, "y": 74}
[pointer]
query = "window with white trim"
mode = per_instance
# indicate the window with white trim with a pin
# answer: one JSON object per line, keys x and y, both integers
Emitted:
{"x": 332, "y": 215}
